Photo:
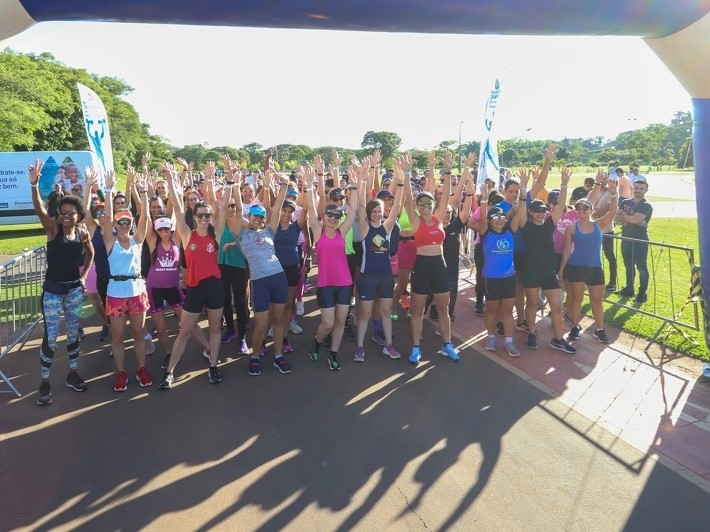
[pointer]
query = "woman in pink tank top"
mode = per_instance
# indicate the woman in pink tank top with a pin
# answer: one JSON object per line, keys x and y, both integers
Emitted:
{"x": 334, "y": 285}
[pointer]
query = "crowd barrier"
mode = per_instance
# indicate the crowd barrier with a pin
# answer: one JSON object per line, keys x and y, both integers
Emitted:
{"x": 20, "y": 302}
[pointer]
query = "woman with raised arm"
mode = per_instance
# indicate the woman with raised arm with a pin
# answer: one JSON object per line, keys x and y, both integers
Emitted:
{"x": 429, "y": 273}
{"x": 203, "y": 279}
{"x": 540, "y": 271}
{"x": 375, "y": 280}
{"x": 68, "y": 249}
{"x": 335, "y": 284}
{"x": 269, "y": 284}
{"x": 583, "y": 267}
{"x": 126, "y": 295}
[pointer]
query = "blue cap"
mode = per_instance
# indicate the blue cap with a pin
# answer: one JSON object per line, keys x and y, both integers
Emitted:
{"x": 257, "y": 210}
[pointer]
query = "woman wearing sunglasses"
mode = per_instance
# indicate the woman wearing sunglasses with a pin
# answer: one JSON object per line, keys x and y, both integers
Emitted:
{"x": 255, "y": 238}
{"x": 498, "y": 273}
{"x": 583, "y": 267}
{"x": 68, "y": 249}
{"x": 203, "y": 278}
{"x": 429, "y": 273}
{"x": 335, "y": 284}
{"x": 126, "y": 294}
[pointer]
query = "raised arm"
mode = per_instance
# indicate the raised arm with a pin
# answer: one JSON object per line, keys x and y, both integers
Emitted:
{"x": 409, "y": 205}
{"x": 441, "y": 207}
{"x": 597, "y": 190}
{"x": 469, "y": 203}
{"x": 455, "y": 198}
{"x": 109, "y": 239}
{"x": 143, "y": 216}
{"x": 608, "y": 217}
{"x": 34, "y": 173}
{"x": 483, "y": 219}
{"x": 92, "y": 180}
{"x": 173, "y": 180}
{"x": 541, "y": 178}
{"x": 280, "y": 197}
{"x": 562, "y": 199}
{"x": 312, "y": 216}
{"x": 352, "y": 209}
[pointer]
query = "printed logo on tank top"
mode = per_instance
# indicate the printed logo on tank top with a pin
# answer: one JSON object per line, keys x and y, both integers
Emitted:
{"x": 167, "y": 261}
{"x": 193, "y": 247}
{"x": 502, "y": 246}
{"x": 379, "y": 244}
{"x": 210, "y": 247}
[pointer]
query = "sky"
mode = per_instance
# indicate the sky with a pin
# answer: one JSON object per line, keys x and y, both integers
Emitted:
{"x": 232, "y": 86}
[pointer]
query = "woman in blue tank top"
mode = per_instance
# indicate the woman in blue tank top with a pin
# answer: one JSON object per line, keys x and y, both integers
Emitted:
{"x": 582, "y": 266}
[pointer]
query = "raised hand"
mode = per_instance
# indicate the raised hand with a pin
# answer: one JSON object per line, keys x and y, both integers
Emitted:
{"x": 448, "y": 160}
{"x": 35, "y": 171}
{"x": 550, "y": 151}
{"x": 524, "y": 177}
{"x": 566, "y": 174}
{"x": 145, "y": 160}
{"x": 470, "y": 159}
{"x": 92, "y": 177}
{"x": 432, "y": 160}
{"x": 110, "y": 179}
{"x": 337, "y": 159}
{"x": 376, "y": 157}
{"x": 318, "y": 162}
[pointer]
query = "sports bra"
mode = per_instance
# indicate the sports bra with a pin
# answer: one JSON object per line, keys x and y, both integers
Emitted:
{"x": 429, "y": 235}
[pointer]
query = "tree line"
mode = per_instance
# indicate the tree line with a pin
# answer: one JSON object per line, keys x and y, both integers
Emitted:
{"x": 41, "y": 111}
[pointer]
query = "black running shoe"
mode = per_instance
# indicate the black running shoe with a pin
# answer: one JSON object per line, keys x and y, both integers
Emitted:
{"x": 45, "y": 394}
{"x": 215, "y": 375}
{"x": 75, "y": 382}
{"x": 167, "y": 381}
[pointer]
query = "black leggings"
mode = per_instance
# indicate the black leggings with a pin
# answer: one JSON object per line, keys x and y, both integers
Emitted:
{"x": 478, "y": 261}
{"x": 234, "y": 281}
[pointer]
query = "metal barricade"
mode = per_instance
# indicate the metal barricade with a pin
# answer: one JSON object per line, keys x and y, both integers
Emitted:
{"x": 20, "y": 301}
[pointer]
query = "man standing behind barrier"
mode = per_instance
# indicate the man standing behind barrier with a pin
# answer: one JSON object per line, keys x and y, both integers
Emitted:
{"x": 68, "y": 248}
{"x": 634, "y": 215}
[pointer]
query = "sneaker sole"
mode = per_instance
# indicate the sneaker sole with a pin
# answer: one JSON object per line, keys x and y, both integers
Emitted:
{"x": 282, "y": 371}
{"x": 40, "y": 402}
{"x": 85, "y": 388}
{"x": 563, "y": 349}
{"x": 120, "y": 389}
{"x": 143, "y": 385}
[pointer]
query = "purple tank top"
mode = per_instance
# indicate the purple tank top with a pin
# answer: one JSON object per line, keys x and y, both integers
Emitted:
{"x": 165, "y": 271}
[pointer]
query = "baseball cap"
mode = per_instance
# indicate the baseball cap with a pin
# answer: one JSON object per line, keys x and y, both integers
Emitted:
{"x": 495, "y": 211}
{"x": 336, "y": 193}
{"x": 123, "y": 214}
{"x": 257, "y": 210}
{"x": 553, "y": 196}
{"x": 289, "y": 203}
{"x": 163, "y": 222}
{"x": 334, "y": 209}
{"x": 384, "y": 194}
{"x": 538, "y": 206}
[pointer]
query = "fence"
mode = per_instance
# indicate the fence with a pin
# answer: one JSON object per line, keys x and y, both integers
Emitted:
{"x": 20, "y": 301}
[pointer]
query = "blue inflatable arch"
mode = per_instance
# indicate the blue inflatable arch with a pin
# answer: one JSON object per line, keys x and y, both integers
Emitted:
{"x": 676, "y": 31}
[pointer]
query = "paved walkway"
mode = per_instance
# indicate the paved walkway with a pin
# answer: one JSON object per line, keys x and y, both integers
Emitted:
{"x": 607, "y": 439}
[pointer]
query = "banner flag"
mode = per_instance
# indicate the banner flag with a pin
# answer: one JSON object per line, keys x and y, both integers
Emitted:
{"x": 488, "y": 159}
{"x": 96, "y": 126}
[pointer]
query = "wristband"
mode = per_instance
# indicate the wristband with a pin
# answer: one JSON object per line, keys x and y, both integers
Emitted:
{"x": 597, "y": 184}
{"x": 563, "y": 186}
{"x": 308, "y": 189}
{"x": 34, "y": 185}
{"x": 484, "y": 201}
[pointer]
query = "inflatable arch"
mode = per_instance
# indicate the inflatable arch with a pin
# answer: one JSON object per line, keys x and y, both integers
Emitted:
{"x": 676, "y": 31}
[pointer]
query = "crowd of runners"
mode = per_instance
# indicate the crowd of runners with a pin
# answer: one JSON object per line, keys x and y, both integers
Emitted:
{"x": 237, "y": 248}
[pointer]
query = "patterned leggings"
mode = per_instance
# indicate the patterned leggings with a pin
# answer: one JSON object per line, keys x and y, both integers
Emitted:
{"x": 52, "y": 306}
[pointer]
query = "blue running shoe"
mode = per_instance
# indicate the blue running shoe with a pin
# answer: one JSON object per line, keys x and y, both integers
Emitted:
{"x": 416, "y": 356}
{"x": 449, "y": 351}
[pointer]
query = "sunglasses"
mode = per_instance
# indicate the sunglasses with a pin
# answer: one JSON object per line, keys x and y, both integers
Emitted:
{"x": 163, "y": 229}
{"x": 335, "y": 215}
{"x": 202, "y": 215}
{"x": 124, "y": 222}
{"x": 497, "y": 217}
{"x": 582, "y": 207}
{"x": 425, "y": 203}
{"x": 100, "y": 213}
{"x": 67, "y": 213}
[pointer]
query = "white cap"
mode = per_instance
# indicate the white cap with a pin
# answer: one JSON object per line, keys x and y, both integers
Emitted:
{"x": 162, "y": 223}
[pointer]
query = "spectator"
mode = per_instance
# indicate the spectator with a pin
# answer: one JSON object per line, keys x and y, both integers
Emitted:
{"x": 583, "y": 191}
{"x": 625, "y": 185}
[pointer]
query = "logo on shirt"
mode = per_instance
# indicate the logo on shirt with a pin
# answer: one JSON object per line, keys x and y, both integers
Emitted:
{"x": 259, "y": 240}
{"x": 193, "y": 247}
{"x": 210, "y": 248}
{"x": 167, "y": 262}
{"x": 502, "y": 244}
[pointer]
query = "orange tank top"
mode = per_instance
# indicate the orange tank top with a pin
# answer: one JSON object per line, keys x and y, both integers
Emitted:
{"x": 429, "y": 235}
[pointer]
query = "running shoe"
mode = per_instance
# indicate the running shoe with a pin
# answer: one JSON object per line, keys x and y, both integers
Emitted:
{"x": 392, "y": 352}
{"x": 228, "y": 336}
{"x": 479, "y": 311}
{"x": 314, "y": 354}
{"x": 281, "y": 365}
{"x": 208, "y": 356}
{"x": 522, "y": 326}
{"x": 121, "y": 382}
{"x": 350, "y": 333}
{"x": 295, "y": 328}
{"x": 359, "y": 354}
{"x": 532, "y": 341}
{"x": 287, "y": 347}
{"x": 563, "y": 345}
{"x": 255, "y": 367}
{"x": 262, "y": 351}
{"x": 166, "y": 361}
{"x": 75, "y": 382}
{"x": 641, "y": 298}
{"x": 143, "y": 377}
{"x": 149, "y": 346}
{"x": 379, "y": 338}
{"x": 243, "y": 347}
{"x": 167, "y": 382}
{"x": 512, "y": 350}
{"x": 574, "y": 333}
{"x": 626, "y": 292}
{"x": 300, "y": 308}
{"x": 449, "y": 351}
{"x": 610, "y": 288}
{"x": 215, "y": 375}
{"x": 105, "y": 333}
{"x": 45, "y": 394}
{"x": 394, "y": 316}
{"x": 600, "y": 334}
{"x": 333, "y": 362}
{"x": 499, "y": 329}
{"x": 416, "y": 356}
{"x": 490, "y": 343}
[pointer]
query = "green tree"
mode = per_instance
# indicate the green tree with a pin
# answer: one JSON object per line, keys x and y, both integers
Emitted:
{"x": 387, "y": 142}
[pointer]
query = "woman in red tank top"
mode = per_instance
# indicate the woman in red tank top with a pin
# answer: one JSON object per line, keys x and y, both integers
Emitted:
{"x": 429, "y": 273}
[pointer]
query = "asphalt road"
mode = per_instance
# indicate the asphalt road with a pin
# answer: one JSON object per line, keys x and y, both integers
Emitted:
{"x": 379, "y": 445}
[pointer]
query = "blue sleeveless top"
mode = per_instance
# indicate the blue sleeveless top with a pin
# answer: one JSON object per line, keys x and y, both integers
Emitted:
{"x": 587, "y": 247}
{"x": 376, "y": 252}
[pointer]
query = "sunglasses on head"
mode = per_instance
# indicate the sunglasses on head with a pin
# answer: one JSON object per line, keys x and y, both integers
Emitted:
{"x": 124, "y": 222}
{"x": 335, "y": 215}
{"x": 202, "y": 215}
{"x": 67, "y": 213}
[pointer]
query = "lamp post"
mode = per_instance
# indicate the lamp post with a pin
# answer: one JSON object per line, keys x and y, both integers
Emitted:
{"x": 460, "y": 158}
